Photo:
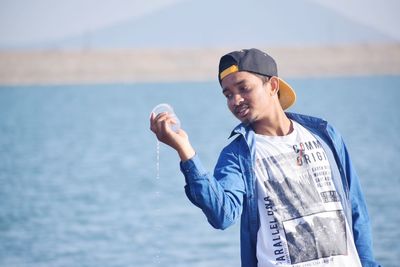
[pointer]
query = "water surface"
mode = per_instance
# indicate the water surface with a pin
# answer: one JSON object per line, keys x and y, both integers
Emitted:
{"x": 78, "y": 168}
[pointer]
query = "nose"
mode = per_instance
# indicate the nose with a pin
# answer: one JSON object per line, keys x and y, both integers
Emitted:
{"x": 236, "y": 99}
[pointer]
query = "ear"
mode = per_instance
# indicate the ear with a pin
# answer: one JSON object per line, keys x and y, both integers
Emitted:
{"x": 274, "y": 81}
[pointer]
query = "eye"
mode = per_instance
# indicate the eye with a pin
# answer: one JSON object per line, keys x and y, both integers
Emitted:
{"x": 228, "y": 95}
{"x": 245, "y": 89}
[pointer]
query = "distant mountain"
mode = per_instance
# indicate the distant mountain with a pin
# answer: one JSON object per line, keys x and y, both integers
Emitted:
{"x": 220, "y": 23}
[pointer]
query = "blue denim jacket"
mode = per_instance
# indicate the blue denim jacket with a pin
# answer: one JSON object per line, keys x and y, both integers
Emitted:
{"x": 231, "y": 192}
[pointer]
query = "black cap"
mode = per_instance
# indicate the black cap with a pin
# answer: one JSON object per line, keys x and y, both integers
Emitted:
{"x": 252, "y": 60}
{"x": 256, "y": 61}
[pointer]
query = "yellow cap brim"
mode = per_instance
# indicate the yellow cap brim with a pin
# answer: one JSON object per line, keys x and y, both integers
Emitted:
{"x": 287, "y": 96}
{"x": 227, "y": 71}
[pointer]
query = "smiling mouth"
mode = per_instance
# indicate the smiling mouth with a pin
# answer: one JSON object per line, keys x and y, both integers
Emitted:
{"x": 242, "y": 110}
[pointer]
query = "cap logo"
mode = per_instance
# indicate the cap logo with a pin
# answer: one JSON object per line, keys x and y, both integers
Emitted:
{"x": 227, "y": 71}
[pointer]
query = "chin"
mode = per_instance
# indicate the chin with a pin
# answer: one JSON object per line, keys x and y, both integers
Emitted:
{"x": 249, "y": 120}
{"x": 245, "y": 120}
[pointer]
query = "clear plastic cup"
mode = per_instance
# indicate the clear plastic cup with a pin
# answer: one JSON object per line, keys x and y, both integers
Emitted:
{"x": 167, "y": 108}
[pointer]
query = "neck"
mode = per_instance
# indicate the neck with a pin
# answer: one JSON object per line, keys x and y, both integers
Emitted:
{"x": 277, "y": 124}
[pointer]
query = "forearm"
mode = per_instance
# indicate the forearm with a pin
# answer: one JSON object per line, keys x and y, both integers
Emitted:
{"x": 221, "y": 205}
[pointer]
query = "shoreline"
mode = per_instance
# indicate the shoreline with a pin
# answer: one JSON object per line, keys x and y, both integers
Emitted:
{"x": 52, "y": 67}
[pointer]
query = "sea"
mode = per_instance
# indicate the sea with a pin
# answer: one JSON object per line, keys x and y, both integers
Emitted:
{"x": 82, "y": 182}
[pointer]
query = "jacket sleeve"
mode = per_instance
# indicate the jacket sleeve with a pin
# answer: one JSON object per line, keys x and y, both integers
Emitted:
{"x": 360, "y": 218}
{"x": 219, "y": 196}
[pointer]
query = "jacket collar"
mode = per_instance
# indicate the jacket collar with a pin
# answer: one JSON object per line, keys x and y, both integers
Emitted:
{"x": 240, "y": 129}
{"x": 308, "y": 121}
{"x": 305, "y": 120}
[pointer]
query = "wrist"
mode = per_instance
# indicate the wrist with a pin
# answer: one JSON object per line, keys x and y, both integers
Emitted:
{"x": 186, "y": 153}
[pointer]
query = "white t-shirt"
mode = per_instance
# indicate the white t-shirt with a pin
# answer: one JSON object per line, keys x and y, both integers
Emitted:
{"x": 301, "y": 217}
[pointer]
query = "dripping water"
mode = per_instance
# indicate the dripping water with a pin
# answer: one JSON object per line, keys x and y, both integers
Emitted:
{"x": 156, "y": 258}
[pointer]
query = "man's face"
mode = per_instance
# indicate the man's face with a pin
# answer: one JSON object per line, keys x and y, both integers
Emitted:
{"x": 248, "y": 97}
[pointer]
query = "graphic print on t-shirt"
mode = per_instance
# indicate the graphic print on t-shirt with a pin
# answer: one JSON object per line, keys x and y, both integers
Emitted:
{"x": 301, "y": 217}
{"x": 316, "y": 236}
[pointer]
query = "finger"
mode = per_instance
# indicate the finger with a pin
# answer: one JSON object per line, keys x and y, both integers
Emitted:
{"x": 152, "y": 116}
{"x": 161, "y": 116}
{"x": 172, "y": 120}
{"x": 165, "y": 117}
{"x": 155, "y": 121}
{"x": 165, "y": 125}
{"x": 151, "y": 119}
{"x": 162, "y": 125}
{"x": 158, "y": 125}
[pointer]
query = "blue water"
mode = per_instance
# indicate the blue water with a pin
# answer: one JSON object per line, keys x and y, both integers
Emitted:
{"x": 78, "y": 180}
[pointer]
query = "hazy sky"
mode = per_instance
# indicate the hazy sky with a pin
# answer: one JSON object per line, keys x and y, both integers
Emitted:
{"x": 381, "y": 15}
{"x": 27, "y": 21}
{"x": 34, "y": 21}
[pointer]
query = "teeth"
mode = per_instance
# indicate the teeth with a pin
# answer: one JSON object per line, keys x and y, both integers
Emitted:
{"x": 241, "y": 109}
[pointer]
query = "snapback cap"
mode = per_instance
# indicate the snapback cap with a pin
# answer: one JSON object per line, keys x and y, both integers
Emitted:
{"x": 258, "y": 62}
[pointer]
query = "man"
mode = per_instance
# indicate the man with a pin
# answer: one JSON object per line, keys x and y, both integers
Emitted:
{"x": 287, "y": 176}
